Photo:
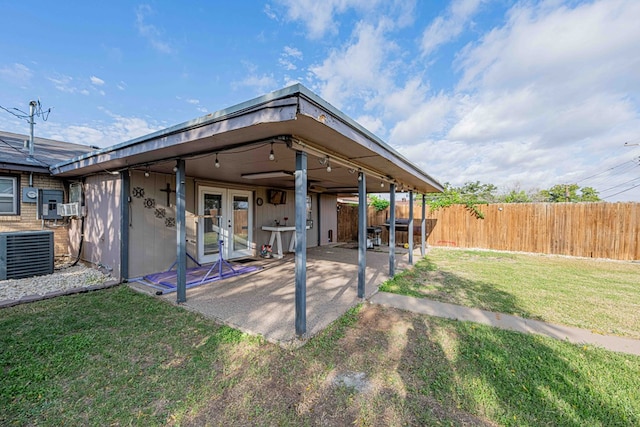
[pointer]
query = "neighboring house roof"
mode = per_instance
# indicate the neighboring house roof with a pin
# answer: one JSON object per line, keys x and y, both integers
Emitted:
{"x": 242, "y": 135}
{"x": 15, "y": 156}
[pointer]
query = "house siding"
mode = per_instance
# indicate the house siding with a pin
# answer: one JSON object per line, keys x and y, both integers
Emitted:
{"x": 152, "y": 243}
{"x": 102, "y": 228}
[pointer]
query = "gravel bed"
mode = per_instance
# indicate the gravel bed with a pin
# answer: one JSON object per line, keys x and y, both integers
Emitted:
{"x": 75, "y": 277}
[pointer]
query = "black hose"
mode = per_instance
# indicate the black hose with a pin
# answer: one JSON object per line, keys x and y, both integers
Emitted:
{"x": 81, "y": 241}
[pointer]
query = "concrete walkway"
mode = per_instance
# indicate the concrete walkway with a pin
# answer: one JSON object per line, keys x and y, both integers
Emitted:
{"x": 506, "y": 321}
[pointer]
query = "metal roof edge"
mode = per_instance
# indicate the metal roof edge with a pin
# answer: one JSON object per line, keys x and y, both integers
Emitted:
{"x": 194, "y": 123}
{"x": 292, "y": 90}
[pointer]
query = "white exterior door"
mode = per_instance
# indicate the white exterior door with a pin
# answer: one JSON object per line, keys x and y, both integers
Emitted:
{"x": 240, "y": 223}
{"x": 225, "y": 223}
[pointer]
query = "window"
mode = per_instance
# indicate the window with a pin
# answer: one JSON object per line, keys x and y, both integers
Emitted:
{"x": 9, "y": 190}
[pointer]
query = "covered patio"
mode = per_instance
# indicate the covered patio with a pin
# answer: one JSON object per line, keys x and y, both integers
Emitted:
{"x": 218, "y": 185}
{"x": 261, "y": 302}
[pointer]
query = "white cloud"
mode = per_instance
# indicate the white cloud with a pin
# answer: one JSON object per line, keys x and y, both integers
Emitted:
{"x": 149, "y": 31}
{"x": 321, "y": 18}
{"x": 448, "y": 26}
{"x": 402, "y": 102}
{"x": 545, "y": 98}
{"x": 67, "y": 84}
{"x": 562, "y": 74}
{"x": 96, "y": 81}
{"x": 317, "y": 16}
{"x": 591, "y": 44}
{"x": 292, "y": 52}
{"x": 18, "y": 74}
{"x": 195, "y": 102}
{"x": 287, "y": 57}
{"x": 119, "y": 129}
{"x": 358, "y": 69}
{"x": 260, "y": 83}
{"x": 373, "y": 124}
{"x": 63, "y": 83}
{"x": 430, "y": 118}
{"x": 270, "y": 12}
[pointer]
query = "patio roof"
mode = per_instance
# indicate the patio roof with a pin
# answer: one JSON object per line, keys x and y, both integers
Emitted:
{"x": 241, "y": 138}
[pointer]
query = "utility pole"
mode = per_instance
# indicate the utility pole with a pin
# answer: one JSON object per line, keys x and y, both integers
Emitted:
{"x": 32, "y": 111}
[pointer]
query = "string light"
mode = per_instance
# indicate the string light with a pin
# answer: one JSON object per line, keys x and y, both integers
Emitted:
{"x": 272, "y": 156}
{"x": 328, "y": 165}
{"x": 217, "y": 163}
{"x": 381, "y": 184}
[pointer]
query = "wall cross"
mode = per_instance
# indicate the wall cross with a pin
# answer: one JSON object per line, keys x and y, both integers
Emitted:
{"x": 168, "y": 190}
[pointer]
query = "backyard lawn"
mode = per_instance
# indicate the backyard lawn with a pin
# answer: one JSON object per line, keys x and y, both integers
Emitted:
{"x": 599, "y": 295}
{"x": 116, "y": 357}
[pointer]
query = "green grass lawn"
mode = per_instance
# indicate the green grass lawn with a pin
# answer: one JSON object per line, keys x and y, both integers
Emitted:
{"x": 599, "y": 295}
{"x": 115, "y": 357}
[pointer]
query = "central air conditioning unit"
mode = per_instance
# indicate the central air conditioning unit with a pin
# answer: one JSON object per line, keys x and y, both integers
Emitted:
{"x": 26, "y": 254}
{"x": 69, "y": 209}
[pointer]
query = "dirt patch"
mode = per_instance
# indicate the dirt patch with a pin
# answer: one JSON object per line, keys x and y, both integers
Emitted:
{"x": 365, "y": 376}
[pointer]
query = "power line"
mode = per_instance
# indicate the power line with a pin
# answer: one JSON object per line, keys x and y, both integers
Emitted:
{"x": 623, "y": 191}
{"x": 627, "y": 164}
{"x": 620, "y": 185}
{"x": 21, "y": 153}
{"x": 38, "y": 112}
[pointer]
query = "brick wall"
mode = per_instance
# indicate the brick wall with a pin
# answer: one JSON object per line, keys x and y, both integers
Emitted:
{"x": 27, "y": 220}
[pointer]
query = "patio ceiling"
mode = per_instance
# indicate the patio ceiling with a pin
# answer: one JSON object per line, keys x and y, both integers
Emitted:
{"x": 241, "y": 137}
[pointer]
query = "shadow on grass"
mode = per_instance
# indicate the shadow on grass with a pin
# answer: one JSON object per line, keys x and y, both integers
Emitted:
{"x": 518, "y": 379}
{"x": 425, "y": 280}
{"x": 115, "y": 357}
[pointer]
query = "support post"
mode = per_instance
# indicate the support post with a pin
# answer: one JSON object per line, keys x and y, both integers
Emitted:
{"x": 181, "y": 232}
{"x": 410, "y": 230}
{"x": 392, "y": 230}
{"x": 125, "y": 199}
{"x": 301, "y": 243}
{"x": 423, "y": 228}
{"x": 362, "y": 232}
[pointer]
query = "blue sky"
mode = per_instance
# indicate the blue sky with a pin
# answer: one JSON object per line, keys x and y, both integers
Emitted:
{"x": 520, "y": 94}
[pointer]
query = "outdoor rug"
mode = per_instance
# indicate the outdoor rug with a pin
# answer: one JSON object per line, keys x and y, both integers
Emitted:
{"x": 165, "y": 282}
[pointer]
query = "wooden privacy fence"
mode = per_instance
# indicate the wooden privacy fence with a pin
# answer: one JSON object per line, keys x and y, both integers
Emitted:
{"x": 596, "y": 230}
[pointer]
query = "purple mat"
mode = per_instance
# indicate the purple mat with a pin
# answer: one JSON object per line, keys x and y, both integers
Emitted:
{"x": 167, "y": 279}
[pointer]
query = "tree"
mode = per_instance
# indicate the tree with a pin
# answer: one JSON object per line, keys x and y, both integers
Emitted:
{"x": 481, "y": 193}
{"x": 569, "y": 193}
{"x": 517, "y": 197}
{"x": 589, "y": 194}
{"x": 475, "y": 194}
{"x": 379, "y": 204}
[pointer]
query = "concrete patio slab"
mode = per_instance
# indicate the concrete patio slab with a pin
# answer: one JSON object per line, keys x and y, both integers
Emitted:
{"x": 263, "y": 302}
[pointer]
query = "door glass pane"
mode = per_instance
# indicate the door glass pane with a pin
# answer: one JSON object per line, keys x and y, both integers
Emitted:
{"x": 213, "y": 208}
{"x": 240, "y": 223}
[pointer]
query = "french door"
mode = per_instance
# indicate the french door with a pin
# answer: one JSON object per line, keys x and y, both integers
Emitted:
{"x": 225, "y": 224}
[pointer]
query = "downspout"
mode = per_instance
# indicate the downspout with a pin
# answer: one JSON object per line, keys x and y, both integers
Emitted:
{"x": 81, "y": 228}
{"x": 81, "y": 242}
